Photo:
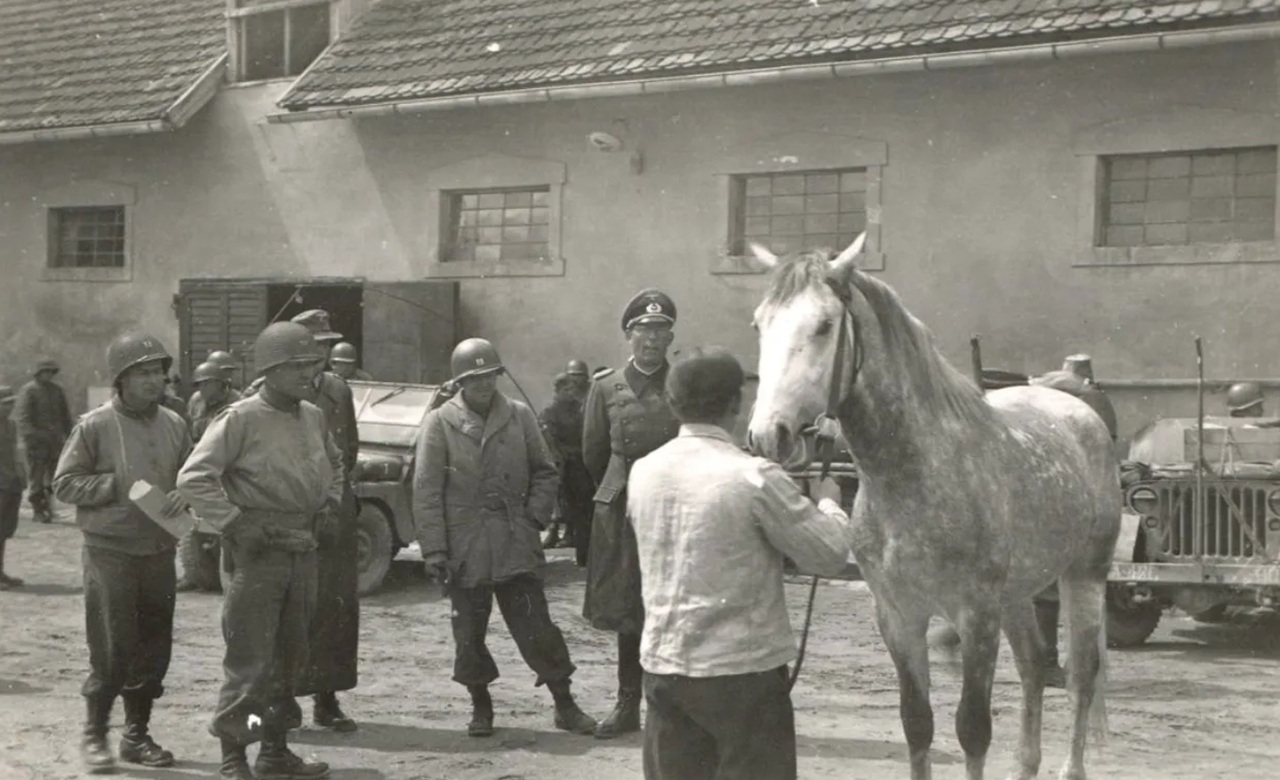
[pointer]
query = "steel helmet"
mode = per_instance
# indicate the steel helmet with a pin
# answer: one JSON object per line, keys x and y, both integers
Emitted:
{"x": 46, "y": 365}
{"x": 284, "y": 342}
{"x": 474, "y": 357}
{"x": 206, "y": 371}
{"x": 343, "y": 352}
{"x": 222, "y": 359}
{"x": 132, "y": 348}
{"x": 577, "y": 368}
{"x": 1243, "y": 395}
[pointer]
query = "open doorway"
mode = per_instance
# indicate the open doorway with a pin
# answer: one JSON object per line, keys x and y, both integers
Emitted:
{"x": 344, "y": 302}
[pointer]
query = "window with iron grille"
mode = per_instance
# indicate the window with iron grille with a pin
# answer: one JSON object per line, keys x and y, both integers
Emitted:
{"x": 795, "y": 211}
{"x": 498, "y": 225}
{"x": 1204, "y": 197}
{"x": 87, "y": 237}
{"x": 278, "y": 38}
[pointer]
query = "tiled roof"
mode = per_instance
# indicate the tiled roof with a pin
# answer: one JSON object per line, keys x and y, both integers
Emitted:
{"x": 75, "y": 63}
{"x": 414, "y": 49}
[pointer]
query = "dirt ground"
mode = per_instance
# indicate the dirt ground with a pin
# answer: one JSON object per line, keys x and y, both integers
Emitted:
{"x": 1198, "y": 701}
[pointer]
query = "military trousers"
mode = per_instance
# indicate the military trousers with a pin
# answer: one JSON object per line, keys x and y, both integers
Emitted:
{"x": 735, "y": 727}
{"x": 128, "y": 616}
{"x": 10, "y": 505}
{"x": 577, "y": 504}
{"x": 266, "y": 617}
{"x": 524, "y": 609}
{"x": 42, "y": 463}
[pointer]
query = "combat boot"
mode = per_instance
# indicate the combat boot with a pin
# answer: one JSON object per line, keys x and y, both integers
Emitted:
{"x": 326, "y": 712}
{"x": 235, "y": 765}
{"x": 569, "y": 716}
{"x": 481, "y": 724}
{"x": 625, "y": 717}
{"x": 137, "y": 746}
{"x": 277, "y": 762}
{"x": 93, "y": 747}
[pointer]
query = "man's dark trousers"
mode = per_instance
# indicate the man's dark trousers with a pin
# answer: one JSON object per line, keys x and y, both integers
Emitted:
{"x": 524, "y": 609}
{"x": 128, "y": 602}
{"x": 736, "y": 727}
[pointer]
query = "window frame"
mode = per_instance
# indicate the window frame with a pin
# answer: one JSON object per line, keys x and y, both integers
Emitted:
{"x": 739, "y": 184}
{"x": 89, "y": 194}
{"x": 790, "y": 153}
{"x": 238, "y": 18}
{"x": 56, "y": 216}
{"x": 492, "y": 172}
{"x": 450, "y": 217}
{"x": 1182, "y": 129}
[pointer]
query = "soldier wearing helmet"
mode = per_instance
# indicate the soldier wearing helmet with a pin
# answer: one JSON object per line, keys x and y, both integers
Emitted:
{"x": 343, "y": 360}
{"x": 626, "y": 418}
{"x": 226, "y": 367}
{"x": 44, "y": 421}
{"x": 483, "y": 488}
{"x": 268, "y": 476}
{"x": 1244, "y": 399}
{"x": 562, "y": 423}
{"x": 128, "y": 559}
{"x": 579, "y": 377}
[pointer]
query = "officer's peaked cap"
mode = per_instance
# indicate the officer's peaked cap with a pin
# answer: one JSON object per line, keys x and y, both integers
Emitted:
{"x": 317, "y": 321}
{"x": 648, "y": 306}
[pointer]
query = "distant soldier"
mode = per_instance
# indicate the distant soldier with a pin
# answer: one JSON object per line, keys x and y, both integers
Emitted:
{"x": 343, "y": 360}
{"x": 1244, "y": 399}
{"x": 44, "y": 422}
{"x": 268, "y": 476}
{"x": 230, "y": 366}
{"x": 580, "y": 377}
{"x": 129, "y": 572}
{"x": 12, "y": 480}
{"x": 483, "y": 488}
{"x": 1074, "y": 378}
{"x": 170, "y": 399}
{"x": 215, "y": 394}
{"x": 226, "y": 367}
{"x": 562, "y": 423}
{"x": 626, "y": 418}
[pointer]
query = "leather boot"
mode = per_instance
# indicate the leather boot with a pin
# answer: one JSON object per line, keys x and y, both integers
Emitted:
{"x": 93, "y": 747}
{"x": 1047, "y": 620}
{"x": 137, "y": 746}
{"x": 326, "y": 713}
{"x": 625, "y": 717}
{"x": 481, "y": 724}
{"x": 277, "y": 762}
{"x": 235, "y": 765}
{"x": 569, "y": 716}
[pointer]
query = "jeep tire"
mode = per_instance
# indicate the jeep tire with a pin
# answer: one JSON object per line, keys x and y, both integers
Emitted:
{"x": 375, "y": 544}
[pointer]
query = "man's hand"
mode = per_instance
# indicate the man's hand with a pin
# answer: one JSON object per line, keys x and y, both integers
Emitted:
{"x": 438, "y": 564}
{"x": 826, "y": 489}
{"x": 174, "y": 504}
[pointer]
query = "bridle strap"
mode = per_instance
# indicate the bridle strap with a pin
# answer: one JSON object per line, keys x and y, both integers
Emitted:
{"x": 828, "y": 424}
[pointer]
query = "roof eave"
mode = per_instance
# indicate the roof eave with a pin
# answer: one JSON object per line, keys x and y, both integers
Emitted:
{"x": 183, "y": 108}
{"x": 1136, "y": 42}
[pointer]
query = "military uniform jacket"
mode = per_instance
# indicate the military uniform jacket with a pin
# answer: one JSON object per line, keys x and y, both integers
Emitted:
{"x": 626, "y": 418}
{"x": 562, "y": 421}
{"x": 42, "y": 414}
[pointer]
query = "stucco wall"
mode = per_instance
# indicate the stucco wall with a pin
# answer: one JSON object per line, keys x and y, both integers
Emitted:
{"x": 980, "y": 214}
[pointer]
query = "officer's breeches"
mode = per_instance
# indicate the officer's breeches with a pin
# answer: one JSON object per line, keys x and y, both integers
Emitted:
{"x": 266, "y": 616}
{"x": 128, "y": 616}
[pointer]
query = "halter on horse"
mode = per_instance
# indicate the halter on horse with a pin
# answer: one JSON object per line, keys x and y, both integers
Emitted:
{"x": 969, "y": 506}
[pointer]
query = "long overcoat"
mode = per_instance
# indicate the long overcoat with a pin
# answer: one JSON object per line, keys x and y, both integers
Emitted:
{"x": 483, "y": 489}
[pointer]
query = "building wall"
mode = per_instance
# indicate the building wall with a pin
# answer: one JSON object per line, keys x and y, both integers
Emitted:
{"x": 981, "y": 214}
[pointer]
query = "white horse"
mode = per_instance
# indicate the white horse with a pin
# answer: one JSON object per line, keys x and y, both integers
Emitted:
{"x": 970, "y": 505}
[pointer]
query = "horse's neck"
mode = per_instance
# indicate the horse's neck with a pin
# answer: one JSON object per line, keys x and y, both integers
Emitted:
{"x": 903, "y": 441}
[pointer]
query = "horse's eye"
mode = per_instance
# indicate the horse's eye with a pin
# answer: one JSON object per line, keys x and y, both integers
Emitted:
{"x": 823, "y": 328}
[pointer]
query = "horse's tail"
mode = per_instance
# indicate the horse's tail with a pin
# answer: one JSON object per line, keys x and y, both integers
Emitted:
{"x": 1098, "y": 706}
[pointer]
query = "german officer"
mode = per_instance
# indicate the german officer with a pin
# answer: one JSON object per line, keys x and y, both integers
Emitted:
{"x": 626, "y": 417}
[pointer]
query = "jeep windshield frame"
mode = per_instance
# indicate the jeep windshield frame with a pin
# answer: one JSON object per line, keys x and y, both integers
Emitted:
{"x": 390, "y": 414}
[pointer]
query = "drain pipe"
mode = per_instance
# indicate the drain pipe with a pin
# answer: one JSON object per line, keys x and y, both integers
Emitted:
{"x": 1143, "y": 42}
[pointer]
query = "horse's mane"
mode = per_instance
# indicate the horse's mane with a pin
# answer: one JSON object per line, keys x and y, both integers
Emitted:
{"x": 937, "y": 383}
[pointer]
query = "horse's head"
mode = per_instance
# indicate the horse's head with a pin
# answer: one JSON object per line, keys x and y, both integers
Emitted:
{"x": 800, "y": 324}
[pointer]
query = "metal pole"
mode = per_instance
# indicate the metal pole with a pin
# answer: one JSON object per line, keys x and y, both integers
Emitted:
{"x": 975, "y": 355}
{"x": 1198, "y": 511}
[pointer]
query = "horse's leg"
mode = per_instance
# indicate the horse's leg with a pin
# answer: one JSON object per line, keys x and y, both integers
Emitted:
{"x": 1029, "y": 653}
{"x": 1083, "y": 604}
{"x": 979, "y": 627}
{"x": 904, "y": 636}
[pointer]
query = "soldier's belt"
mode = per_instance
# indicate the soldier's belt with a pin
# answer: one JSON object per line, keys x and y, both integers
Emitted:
{"x": 295, "y": 521}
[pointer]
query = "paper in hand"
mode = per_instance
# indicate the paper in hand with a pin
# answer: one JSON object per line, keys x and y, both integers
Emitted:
{"x": 150, "y": 499}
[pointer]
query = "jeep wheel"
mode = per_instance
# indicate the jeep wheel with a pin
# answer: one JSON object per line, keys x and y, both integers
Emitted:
{"x": 1129, "y": 623}
{"x": 375, "y": 544}
{"x": 1215, "y": 614}
{"x": 198, "y": 554}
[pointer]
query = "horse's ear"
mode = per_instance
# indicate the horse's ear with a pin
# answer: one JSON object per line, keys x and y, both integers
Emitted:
{"x": 769, "y": 259}
{"x": 844, "y": 261}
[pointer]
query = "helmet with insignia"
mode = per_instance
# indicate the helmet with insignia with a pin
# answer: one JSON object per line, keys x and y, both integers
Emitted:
{"x": 1244, "y": 395}
{"x": 474, "y": 357}
{"x": 649, "y": 306}
{"x": 576, "y": 368}
{"x": 135, "y": 348}
{"x": 317, "y": 321}
{"x": 284, "y": 342}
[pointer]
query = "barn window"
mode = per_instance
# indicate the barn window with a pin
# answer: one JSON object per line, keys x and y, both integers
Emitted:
{"x": 277, "y": 38}
{"x": 1186, "y": 198}
{"x": 801, "y": 210}
{"x": 503, "y": 225}
{"x": 87, "y": 237}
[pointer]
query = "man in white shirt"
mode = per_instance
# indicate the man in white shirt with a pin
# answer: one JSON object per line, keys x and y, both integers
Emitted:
{"x": 713, "y": 525}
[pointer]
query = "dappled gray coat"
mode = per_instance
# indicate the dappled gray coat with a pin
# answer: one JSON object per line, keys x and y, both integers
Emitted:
{"x": 483, "y": 488}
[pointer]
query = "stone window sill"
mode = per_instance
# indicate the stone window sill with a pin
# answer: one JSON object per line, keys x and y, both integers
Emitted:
{"x": 1192, "y": 254}
{"x": 87, "y": 274}
{"x": 478, "y": 270}
{"x": 727, "y": 265}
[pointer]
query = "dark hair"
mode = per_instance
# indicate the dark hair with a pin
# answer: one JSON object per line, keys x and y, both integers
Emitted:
{"x": 703, "y": 386}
